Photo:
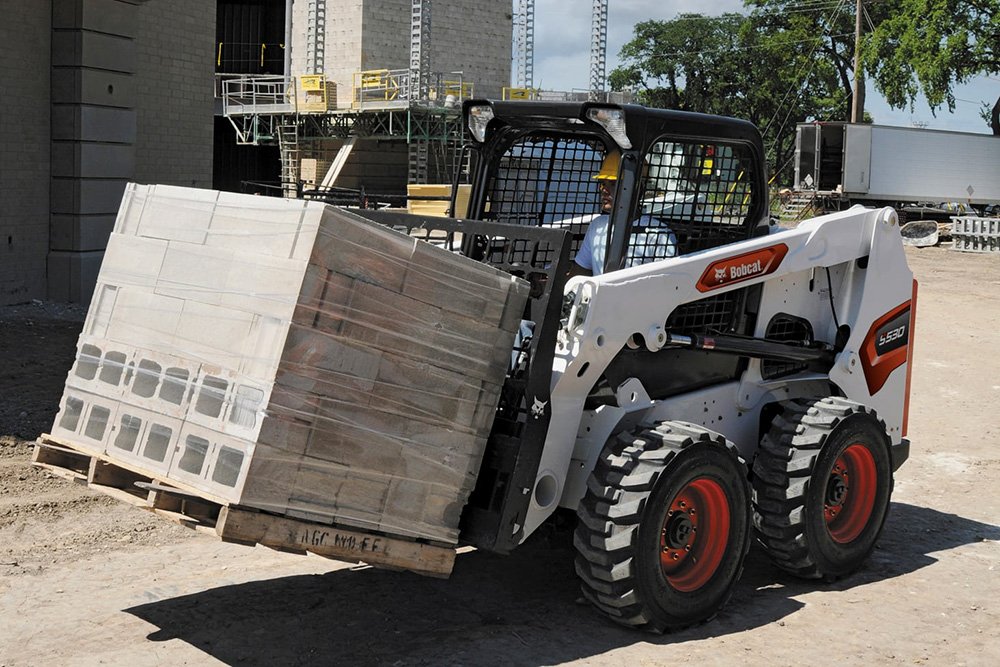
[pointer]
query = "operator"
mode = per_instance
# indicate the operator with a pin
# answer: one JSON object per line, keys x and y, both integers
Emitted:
{"x": 648, "y": 242}
{"x": 644, "y": 246}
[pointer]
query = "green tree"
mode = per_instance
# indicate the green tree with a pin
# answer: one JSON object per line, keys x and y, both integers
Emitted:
{"x": 751, "y": 67}
{"x": 681, "y": 64}
{"x": 929, "y": 46}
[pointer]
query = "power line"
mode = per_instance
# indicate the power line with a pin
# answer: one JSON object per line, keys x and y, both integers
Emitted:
{"x": 833, "y": 14}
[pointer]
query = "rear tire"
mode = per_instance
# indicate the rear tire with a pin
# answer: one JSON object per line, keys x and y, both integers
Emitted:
{"x": 664, "y": 527}
{"x": 821, "y": 489}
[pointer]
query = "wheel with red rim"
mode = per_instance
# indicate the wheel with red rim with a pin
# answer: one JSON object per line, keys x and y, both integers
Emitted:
{"x": 850, "y": 494}
{"x": 689, "y": 558}
{"x": 664, "y": 527}
{"x": 822, "y": 485}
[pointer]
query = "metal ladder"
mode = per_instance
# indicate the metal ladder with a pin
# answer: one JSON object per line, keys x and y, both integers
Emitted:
{"x": 288, "y": 145}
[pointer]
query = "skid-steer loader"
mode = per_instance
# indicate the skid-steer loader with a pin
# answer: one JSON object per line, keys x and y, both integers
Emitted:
{"x": 751, "y": 384}
{"x": 713, "y": 380}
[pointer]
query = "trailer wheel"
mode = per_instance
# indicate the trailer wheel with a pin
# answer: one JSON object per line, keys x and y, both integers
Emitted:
{"x": 821, "y": 489}
{"x": 664, "y": 526}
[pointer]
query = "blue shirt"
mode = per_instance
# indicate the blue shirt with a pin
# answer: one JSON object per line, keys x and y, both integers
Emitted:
{"x": 646, "y": 244}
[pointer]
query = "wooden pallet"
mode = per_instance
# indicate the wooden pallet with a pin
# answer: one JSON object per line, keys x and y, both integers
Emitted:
{"x": 240, "y": 525}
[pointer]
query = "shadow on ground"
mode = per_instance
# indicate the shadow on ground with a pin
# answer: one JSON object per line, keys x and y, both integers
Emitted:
{"x": 521, "y": 609}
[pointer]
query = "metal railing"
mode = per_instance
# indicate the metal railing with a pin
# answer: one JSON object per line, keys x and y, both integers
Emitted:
{"x": 608, "y": 97}
{"x": 387, "y": 88}
{"x": 262, "y": 94}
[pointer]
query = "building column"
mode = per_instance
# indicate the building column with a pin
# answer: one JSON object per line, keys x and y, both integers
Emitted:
{"x": 93, "y": 136}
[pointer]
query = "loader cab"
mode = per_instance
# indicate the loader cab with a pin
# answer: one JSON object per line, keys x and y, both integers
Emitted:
{"x": 699, "y": 176}
{"x": 687, "y": 182}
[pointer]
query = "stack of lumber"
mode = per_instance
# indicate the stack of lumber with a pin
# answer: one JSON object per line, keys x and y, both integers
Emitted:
{"x": 437, "y": 200}
{"x": 291, "y": 357}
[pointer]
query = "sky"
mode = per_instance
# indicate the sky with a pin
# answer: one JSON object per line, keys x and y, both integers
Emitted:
{"x": 562, "y": 57}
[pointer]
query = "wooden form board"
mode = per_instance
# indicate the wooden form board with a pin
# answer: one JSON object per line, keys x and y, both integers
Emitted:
{"x": 437, "y": 207}
{"x": 292, "y": 357}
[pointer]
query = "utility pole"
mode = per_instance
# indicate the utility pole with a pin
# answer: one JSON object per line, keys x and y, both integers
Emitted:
{"x": 857, "y": 113}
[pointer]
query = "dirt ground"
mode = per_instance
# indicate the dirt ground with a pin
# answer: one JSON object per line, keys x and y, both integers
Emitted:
{"x": 86, "y": 580}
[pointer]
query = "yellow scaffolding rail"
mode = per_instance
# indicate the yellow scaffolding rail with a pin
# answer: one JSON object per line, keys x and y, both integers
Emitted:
{"x": 520, "y": 93}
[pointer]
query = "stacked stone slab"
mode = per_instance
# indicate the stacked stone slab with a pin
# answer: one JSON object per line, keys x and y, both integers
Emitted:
{"x": 291, "y": 357}
{"x": 972, "y": 234}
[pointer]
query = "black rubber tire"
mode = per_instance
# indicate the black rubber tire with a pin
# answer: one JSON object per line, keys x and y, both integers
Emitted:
{"x": 621, "y": 516}
{"x": 791, "y": 475}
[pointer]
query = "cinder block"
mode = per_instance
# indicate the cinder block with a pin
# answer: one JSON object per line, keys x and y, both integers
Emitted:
{"x": 213, "y": 334}
{"x": 145, "y": 319}
{"x": 263, "y": 348}
{"x": 194, "y": 272}
{"x": 270, "y": 288}
{"x": 133, "y": 261}
{"x": 362, "y": 250}
{"x": 272, "y": 227}
{"x": 276, "y": 472}
{"x": 331, "y": 491}
{"x": 172, "y": 214}
{"x": 300, "y": 388}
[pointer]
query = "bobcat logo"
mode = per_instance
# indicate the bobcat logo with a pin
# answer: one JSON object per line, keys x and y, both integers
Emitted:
{"x": 720, "y": 275}
{"x": 538, "y": 408}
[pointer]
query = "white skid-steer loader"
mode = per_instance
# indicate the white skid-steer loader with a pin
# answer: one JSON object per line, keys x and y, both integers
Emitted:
{"x": 715, "y": 379}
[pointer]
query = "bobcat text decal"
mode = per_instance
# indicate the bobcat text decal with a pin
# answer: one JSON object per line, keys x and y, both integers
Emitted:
{"x": 742, "y": 267}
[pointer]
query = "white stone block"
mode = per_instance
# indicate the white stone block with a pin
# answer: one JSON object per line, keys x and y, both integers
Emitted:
{"x": 176, "y": 214}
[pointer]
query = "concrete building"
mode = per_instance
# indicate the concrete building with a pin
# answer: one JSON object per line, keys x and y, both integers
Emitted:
{"x": 98, "y": 93}
{"x": 471, "y": 37}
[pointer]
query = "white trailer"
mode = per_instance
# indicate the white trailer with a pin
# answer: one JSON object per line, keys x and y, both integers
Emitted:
{"x": 896, "y": 165}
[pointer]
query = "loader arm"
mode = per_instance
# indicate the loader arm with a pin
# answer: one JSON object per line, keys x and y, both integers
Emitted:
{"x": 870, "y": 287}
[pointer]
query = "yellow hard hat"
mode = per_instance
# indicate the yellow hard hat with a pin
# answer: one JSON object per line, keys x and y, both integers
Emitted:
{"x": 609, "y": 169}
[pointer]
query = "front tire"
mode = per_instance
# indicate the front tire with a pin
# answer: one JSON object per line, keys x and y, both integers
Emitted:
{"x": 822, "y": 484}
{"x": 664, "y": 527}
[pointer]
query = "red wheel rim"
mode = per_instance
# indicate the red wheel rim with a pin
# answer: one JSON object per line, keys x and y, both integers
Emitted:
{"x": 850, "y": 494}
{"x": 694, "y": 535}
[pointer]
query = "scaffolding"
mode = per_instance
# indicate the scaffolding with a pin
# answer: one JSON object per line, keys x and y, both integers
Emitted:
{"x": 524, "y": 43}
{"x": 598, "y": 48}
{"x": 294, "y": 114}
{"x": 420, "y": 48}
{"x": 316, "y": 37}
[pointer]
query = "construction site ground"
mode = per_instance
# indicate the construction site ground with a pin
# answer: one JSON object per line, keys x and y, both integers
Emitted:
{"x": 88, "y": 580}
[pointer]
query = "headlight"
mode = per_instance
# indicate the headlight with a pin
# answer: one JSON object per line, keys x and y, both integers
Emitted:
{"x": 612, "y": 120}
{"x": 479, "y": 117}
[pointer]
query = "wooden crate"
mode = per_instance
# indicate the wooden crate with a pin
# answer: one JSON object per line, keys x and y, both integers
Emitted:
{"x": 291, "y": 357}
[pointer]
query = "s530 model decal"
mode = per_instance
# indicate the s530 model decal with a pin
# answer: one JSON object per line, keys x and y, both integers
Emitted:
{"x": 885, "y": 346}
{"x": 742, "y": 267}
